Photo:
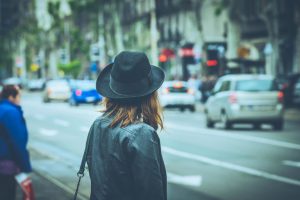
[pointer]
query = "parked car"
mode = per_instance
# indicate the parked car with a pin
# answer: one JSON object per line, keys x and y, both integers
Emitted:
{"x": 287, "y": 84}
{"x": 177, "y": 94}
{"x": 84, "y": 91}
{"x": 14, "y": 81}
{"x": 245, "y": 99}
{"x": 56, "y": 90}
{"x": 36, "y": 84}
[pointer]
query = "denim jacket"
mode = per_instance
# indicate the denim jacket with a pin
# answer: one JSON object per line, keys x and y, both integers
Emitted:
{"x": 126, "y": 163}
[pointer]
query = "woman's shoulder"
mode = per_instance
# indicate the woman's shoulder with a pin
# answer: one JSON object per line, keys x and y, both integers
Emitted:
{"x": 140, "y": 130}
{"x": 133, "y": 128}
{"x": 101, "y": 121}
{"x": 138, "y": 126}
{"x": 8, "y": 110}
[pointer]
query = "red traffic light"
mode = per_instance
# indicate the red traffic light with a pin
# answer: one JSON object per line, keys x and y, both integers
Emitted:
{"x": 163, "y": 58}
{"x": 211, "y": 63}
{"x": 186, "y": 52}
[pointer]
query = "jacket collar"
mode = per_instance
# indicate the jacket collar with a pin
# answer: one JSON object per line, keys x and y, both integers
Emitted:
{"x": 7, "y": 102}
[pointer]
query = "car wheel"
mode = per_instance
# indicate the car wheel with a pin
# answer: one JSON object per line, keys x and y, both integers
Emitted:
{"x": 256, "y": 126}
{"x": 46, "y": 100}
{"x": 226, "y": 123}
{"x": 209, "y": 122}
{"x": 192, "y": 109}
{"x": 72, "y": 102}
{"x": 278, "y": 125}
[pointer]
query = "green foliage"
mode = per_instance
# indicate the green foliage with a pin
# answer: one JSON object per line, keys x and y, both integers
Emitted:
{"x": 220, "y": 6}
{"x": 72, "y": 68}
{"x": 218, "y": 11}
{"x": 79, "y": 47}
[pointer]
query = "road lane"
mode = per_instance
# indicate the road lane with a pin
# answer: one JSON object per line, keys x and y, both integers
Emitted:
{"x": 253, "y": 155}
{"x": 216, "y": 182}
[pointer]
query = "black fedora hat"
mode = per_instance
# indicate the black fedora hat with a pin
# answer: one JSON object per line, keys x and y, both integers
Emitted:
{"x": 129, "y": 76}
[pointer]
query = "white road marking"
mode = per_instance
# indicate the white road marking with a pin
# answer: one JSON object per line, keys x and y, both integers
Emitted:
{"x": 203, "y": 131}
{"x": 39, "y": 117}
{"x": 84, "y": 129}
{"x": 231, "y": 166}
{"x": 291, "y": 163}
{"x": 48, "y": 132}
{"x": 194, "y": 181}
{"x": 61, "y": 122}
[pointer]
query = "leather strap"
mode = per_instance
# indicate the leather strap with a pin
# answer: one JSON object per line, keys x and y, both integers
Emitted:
{"x": 80, "y": 173}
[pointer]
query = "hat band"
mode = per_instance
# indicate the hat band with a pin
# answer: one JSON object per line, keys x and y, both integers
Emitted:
{"x": 133, "y": 88}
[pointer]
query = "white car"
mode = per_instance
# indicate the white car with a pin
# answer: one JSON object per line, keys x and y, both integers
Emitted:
{"x": 177, "y": 94}
{"x": 249, "y": 98}
{"x": 36, "y": 84}
{"x": 14, "y": 81}
{"x": 57, "y": 90}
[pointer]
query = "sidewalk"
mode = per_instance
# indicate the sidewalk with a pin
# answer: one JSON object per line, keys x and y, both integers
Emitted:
{"x": 45, "y": 190}
{"x": 292, "y": 114}
{"x": 46, "y": 185}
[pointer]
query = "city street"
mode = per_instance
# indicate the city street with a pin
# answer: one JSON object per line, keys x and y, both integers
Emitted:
{"x": 201, "y": 163}
{"x": 240, "y": 57}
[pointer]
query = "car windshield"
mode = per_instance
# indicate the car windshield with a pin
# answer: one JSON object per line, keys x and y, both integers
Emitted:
{"x": 86, "y": 85}
{"x": 255, "y": 85}
{"x": 178, "y": 89}
{"x": 58, "y": 84}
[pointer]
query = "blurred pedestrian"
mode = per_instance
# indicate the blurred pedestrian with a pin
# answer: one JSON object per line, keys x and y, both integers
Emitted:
{"x": 14, "y": 157}
{"x": 195, "y": 84}
{"x": 124, "y": 153}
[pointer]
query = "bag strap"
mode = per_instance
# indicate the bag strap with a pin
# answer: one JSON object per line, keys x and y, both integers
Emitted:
{"x": 80, "y": 173}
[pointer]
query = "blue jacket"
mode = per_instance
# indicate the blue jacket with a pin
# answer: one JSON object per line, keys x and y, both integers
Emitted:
{"x": 13, "y": 135}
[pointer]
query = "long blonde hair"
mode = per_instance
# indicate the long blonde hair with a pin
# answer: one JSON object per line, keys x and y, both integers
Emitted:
{"x": 125, "y": 112}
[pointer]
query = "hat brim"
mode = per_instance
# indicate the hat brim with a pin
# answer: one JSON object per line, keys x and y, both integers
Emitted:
{"x": 103, "y": 80}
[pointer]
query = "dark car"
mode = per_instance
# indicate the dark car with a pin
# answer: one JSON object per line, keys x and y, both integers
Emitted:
{"x": 83, "y": 91}
{"x": 288, "y": 86}
{"x": 296, "y": 93}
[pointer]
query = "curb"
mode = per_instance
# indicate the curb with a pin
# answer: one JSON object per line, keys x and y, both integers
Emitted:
{"x": 292, "y": 114}
{"x": 56, "y": 182}
{"x": 60, "y": 185}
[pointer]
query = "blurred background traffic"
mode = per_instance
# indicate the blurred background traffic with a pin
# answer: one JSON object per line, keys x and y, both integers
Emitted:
{"x": 231, "y": 97}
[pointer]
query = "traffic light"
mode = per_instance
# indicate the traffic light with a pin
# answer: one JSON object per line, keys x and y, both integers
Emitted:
{"x": 214, "y": 55}
{"x": 212, "y": 58}
{"x": 163, "y": 58}
{"x": 211, "y": 63}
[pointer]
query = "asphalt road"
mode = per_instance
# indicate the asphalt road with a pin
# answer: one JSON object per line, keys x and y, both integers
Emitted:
{"x": 201, "y": 163}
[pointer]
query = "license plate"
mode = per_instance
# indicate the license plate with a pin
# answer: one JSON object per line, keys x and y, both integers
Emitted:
{"x": 258, "y": 108}
{"x": 90, "y": 99}
{"x": 264, "y": 108}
